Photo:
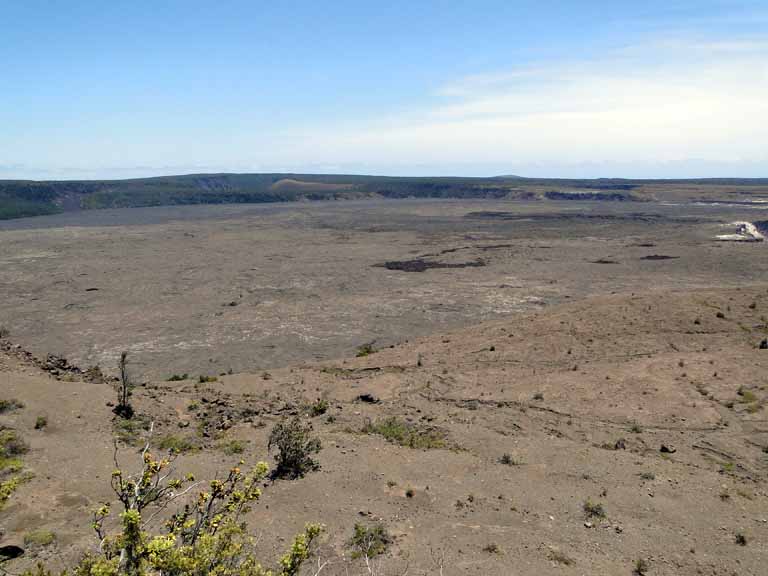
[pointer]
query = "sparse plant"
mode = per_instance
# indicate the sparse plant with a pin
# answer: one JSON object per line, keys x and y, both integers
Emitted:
{"x": 8, "y": 487}
{"x": 746, "y": 395}
{"x": 41, "y": 422}
{"x": 369, "y": 541}
{"x": 403, "y": 433}
{"x": 560, "y": 558}
{"x": 177, "y": 445}
{"x": 538, "y": 396}
{"x": 636, "y": 428}
{"x": 492, "y": 548}
{"x": 10, "y": 405}
{"x": 205, "y": 536}
{"x": 648, "y": 476}
{"x": 123, "y": 387}
{"x": 508, "y": 460}
{"x": 365, "y": 350}
{"x": 641, "y": 567}
{"x": 39, "y": 538}
{"x": 593, "y": 509}
{"x": 178, "y": 377}
{"x": 11, "y": 447}
{"x": 203, "y": 379}
{"x": 319, "y": 407}
{"x": 4, "y": 332}
{"x": 295, "y": 447}
{"x": 233, "y": 447}
{"x": 410, "y": 493}
{"x": 130, "y": 432}
{"x": 741, "y": 539}
{"x": 11, "y": 444}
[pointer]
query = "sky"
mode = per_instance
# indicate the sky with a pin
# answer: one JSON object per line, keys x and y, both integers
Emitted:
{"x": 121, "y": 89}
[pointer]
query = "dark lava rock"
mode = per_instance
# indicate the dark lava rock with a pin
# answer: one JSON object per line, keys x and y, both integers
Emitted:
{"x": 11, "y": 551}
{"x": 659, "y": 257}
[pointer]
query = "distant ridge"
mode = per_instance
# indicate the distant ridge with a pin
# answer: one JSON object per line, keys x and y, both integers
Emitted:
{"x": 20, "y": 198}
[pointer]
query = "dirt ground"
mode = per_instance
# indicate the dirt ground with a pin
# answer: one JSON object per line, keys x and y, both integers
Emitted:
{"x": 638, "y": 386}
{"x": 208, "y": 289}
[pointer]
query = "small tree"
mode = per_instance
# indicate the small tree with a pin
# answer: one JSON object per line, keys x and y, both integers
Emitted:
{"x": 206, "y": 536}
{"x": 295, "y": 447}
{"x": 123, "y": 388}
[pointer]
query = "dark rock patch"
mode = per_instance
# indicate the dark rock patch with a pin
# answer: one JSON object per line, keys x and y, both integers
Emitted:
{"x": 421, "y": 265}
{"x": 659, "y": 257}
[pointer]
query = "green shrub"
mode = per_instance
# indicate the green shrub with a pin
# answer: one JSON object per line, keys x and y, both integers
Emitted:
{"x": 39, "y": 538}
{"x": 131, "y": 432}
{"x": 208, "y": 536}
{"x": 9, "y": 405}
{"x": 295, "y": 446}
{"x": 365, "y": 350}
{"x": 202, "y": 379}
{"x": 41, "y": 422}
{"x": 319, "y": 407}
{"x": 7, "y": 487}
{"x": 369, "y": 541}
{"x": 178, "y": 377}
{"x": 11, "y": 444}
{"x": 508, "y": 460}
{"x": 177, "y": 445}
{"x": 403, "y": 433}
{"x": 232, "y": 447}
{"x": 593, "y": 509}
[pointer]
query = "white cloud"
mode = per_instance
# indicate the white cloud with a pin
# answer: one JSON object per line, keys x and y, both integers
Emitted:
{"x": 665, "y": 101}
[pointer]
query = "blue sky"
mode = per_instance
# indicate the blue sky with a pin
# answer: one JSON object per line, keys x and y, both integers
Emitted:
{"x": 637, "y": 89}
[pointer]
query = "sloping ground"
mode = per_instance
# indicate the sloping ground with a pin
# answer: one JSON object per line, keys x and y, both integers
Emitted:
{"x": 581, "y": 398}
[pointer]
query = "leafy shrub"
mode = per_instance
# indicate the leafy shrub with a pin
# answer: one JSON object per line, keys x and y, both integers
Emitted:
{"x": 206, "y": 536}
{"x": 232, "y": 447}
{"x": 641, "y": 567}
{"x": 11, "y": 444}
{"x": 319, "y": 407}
{"x": 593, "y": 509}
{"x": 295, "y": 446}
{"x": 508, "y": 460}
{"x": 9, "y": 405}
{"x": 369, "y": 541}
{"x": 39, "y": 538}
{"x": 177, "y": 445}
{"x": 403, "y": 433}
{"x": 130, "y": 432}
{"x": 7, "y": 487}
{"x": 365, "y": 350}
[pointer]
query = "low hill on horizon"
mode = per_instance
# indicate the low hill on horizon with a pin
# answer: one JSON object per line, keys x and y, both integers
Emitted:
{"x": 21, "y": 198}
